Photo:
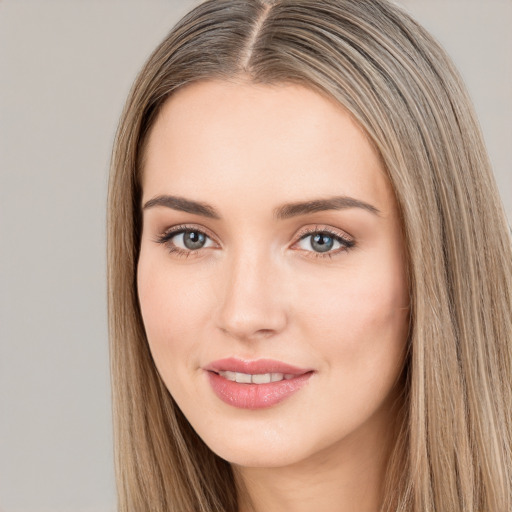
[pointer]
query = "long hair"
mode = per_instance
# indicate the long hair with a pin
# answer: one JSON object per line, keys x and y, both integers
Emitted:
{"x": 454, "y": 452}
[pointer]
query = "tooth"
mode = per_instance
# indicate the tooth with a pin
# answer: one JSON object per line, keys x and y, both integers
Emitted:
{"x": 243, "y": 378}
{"x": 262, "y": 378}
{"x": 228, "y": 375}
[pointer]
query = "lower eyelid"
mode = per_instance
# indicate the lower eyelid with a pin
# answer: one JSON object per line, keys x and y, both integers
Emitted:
{"x": 166, "y": 237}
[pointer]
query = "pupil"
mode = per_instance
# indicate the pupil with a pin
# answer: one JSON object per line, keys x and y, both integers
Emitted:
{"x": 194, "y": 240}
{"x": 322, "y": 243}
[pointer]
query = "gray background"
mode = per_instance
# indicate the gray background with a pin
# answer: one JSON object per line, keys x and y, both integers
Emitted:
{"x": 65, "y": 70}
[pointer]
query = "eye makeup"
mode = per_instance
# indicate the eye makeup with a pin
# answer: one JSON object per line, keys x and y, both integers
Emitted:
{"x": 189, "y": 240}
{"x": 322, "y": 240}
{"x": 193, "y": 240}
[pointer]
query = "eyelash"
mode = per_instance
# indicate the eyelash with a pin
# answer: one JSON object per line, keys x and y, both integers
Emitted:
{"x": 346, "y": 242}
{"x": 166, "y": 239}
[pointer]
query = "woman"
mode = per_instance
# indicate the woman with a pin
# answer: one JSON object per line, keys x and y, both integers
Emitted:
{"x": 309, "y": 271}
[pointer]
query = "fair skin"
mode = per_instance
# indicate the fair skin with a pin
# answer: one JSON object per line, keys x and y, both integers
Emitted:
{"x": 237, "y": 280}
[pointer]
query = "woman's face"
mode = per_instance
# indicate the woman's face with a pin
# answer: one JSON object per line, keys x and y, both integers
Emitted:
{"x": 271, "y": 278}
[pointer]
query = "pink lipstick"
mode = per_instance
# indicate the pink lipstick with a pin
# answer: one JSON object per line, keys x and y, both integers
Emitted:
{"x": 255, "y": 384}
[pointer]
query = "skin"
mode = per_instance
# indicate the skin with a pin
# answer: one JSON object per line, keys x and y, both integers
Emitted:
{"x": 258, "y": 289}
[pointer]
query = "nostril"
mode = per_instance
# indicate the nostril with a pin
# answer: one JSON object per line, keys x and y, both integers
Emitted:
{"x": 240, "y": 333}
{"x": 251, "y": 311}
{"x": 265, "y": 332}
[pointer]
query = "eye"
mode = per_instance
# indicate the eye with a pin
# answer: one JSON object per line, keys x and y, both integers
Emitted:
{"x": 191, "y": 240}
{"x": 185, "y": 241}
{"x": 324, "y": 242}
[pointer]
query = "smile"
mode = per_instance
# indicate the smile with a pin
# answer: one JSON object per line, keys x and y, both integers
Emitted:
{"x": 259, "y": 378}
{"x": 255, "y": 384}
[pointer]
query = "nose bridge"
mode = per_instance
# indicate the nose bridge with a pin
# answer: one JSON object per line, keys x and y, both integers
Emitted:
{"x": 251, "y": 304}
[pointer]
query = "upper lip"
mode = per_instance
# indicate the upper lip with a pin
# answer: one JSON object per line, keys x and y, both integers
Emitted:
{"x": 256, "y": 367}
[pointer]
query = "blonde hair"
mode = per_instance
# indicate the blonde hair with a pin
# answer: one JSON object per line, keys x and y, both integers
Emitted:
{"x": 455, "y": 450}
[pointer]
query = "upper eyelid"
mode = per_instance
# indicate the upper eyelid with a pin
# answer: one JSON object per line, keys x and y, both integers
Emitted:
{"x": 346, "y": 243}
{"x": 298, "y": 235}
{"x": 181, "y": 228}
{"x": 324, "y": 229}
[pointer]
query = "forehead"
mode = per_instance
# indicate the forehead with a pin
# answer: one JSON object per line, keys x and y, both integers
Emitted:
{"x": 282, "y": 141}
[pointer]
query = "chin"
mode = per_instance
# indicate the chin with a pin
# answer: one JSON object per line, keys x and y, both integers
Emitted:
{"x": 256, "y": 457}
{"x": 267, "y": 448}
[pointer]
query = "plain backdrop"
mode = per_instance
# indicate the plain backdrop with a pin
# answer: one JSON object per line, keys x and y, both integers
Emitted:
{"x": 65, "y": 70}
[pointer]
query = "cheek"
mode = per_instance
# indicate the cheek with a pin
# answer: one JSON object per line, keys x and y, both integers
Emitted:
{"x": 360, "y": 335}
{"x": 360, "y": 320}
{"x": 174, "y": 309}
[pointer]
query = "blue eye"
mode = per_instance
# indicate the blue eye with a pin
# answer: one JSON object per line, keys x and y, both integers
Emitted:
{"x": 191, "y": 240}
{"x": 324, "y": 242}
{"x": 185, "y": 240}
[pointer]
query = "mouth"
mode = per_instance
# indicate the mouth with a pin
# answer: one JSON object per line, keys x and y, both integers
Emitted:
{"x": 255, "y": 384}
{"x": 258, "y": 378}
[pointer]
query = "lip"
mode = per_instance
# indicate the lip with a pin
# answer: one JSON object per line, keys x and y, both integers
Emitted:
{"x": 232, "y": 364}
{"x": 255, "y": 396}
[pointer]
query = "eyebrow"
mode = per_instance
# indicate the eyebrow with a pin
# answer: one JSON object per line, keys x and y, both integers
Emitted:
{"x": 319, "y": 205}
{"x": 183, "y": 205}
{"x": 285, "y": 211}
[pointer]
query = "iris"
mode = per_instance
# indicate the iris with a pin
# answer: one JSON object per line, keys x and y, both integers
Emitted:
{"x": 322, "y": 242}
{"x": 194, "y": 240}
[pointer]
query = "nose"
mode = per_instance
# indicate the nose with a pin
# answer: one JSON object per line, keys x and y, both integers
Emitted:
{"x": 252, "y": 303}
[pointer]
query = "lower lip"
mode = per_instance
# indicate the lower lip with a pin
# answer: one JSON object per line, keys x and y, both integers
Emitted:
{"x": 255, "y": 396}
